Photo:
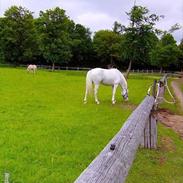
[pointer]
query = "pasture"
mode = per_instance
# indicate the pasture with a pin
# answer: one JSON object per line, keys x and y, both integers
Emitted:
{"x": 48, "y": 135}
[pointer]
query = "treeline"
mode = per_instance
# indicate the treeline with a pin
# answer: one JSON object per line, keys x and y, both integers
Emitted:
{"x": 53, "y": 38}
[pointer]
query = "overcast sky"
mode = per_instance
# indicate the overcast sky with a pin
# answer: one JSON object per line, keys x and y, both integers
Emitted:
{"x": 101, "y": 14}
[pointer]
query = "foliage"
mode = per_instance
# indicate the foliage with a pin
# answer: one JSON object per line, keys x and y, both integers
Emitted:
{"x": 181, "y": 55}
{"x": 54, "y": 38}
{"x": 107, "y": 45}
{"x": 55, "y": 43}
{"x": 81, "y": 44}
{"x": 139, "y": 36}
{"x": 17, "y": 35}
{"x": 175, "y": 27}
{"x": 166, "y": 52}
{"x": 118, "y": 28}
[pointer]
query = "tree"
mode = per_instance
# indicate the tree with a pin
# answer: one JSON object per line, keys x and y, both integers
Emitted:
{"x": 118, "y": 28}
{"x": 107, "y": 45}
{"x": 18, "y": 36}
{"x": 55, "y": 42}
{"x": 181, "y": 55}
{"x": 165, "y": 53}
{"x": 81, "y": 44}
{"x": 139, "y": 36}
{"x": 2, "y": 59}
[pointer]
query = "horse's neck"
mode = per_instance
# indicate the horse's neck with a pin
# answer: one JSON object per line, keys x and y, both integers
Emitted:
{"x": 123, "y": 83}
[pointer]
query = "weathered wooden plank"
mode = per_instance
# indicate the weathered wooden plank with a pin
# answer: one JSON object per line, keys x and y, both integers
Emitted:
{"x": 142, "y": 140}
{"x": 154, "y": 88}
{"x": 164, "y": 79}
{"x": 153, "y": 132}
{"x": 6, "y": 177}
{"x": 149, "y": 136}
{"x": 113, "y": 163}
{"x": 160, "y": 90}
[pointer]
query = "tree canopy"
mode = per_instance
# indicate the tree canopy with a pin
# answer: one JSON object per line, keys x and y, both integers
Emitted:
{"x": 18, "y": 35}
{"x": 107, "y": 45}
{"x": 53, "y": 29}
{"x": 139, "y": 35}
{"x": 53, "y": 38}
{"x": 166, "y": 52}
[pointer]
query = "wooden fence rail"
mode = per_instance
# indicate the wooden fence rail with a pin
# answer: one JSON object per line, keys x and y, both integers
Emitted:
{"x": 161, "y": 90}
{"x": 113, "y": 163}
{"x": 140, "y": 129}
{"x": 143, "y": 71}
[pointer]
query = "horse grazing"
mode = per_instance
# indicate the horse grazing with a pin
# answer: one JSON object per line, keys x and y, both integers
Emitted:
{"x": 32, "y": 68}
{"x": 111, "y": 77}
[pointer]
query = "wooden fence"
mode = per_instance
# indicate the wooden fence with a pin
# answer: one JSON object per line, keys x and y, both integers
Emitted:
{"x": 113, "y": 163}
{"x": 49, "y": 67}
{"x": 140, "y": 129}
{"x": 149, "y": 71}
{"x": 143, "y": 71}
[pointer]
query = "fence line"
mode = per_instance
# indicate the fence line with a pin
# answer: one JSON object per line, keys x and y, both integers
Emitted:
{"x": 140, "y": 129}
{"x": 88, "y": 68}
{"x": 113, "y": 163}
{"x": 149, "y": 71}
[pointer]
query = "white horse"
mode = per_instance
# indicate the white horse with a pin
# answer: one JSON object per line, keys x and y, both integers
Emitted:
{"x": 32, "y": 68}
{"x": 111, "y": 77}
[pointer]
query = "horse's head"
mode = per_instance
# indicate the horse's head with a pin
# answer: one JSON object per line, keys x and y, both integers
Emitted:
{"x": 125, "y": 94}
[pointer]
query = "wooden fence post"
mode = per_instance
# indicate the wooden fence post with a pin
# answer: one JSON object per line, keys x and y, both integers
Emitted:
{"x": 154, "y": 89}
{"x": 153, "y": 130}
{"x": 113, "y": 163}
{"x": 6, "y": 177}
{"x": 149, "y": 136}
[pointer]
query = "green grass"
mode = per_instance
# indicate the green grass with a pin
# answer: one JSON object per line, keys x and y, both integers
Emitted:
{"x": 175, "y": 108}
{"x": 49, "y": 136}
{"x": 163, "y": 165}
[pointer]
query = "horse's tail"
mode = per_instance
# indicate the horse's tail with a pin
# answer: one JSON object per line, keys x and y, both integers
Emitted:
{"x": 88, "y": 82}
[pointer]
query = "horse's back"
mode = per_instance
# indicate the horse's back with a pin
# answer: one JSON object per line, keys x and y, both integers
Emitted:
{"x": 32, "y": 68}
{"x": 105, "y": 76}
{"x": 95, "y": 74}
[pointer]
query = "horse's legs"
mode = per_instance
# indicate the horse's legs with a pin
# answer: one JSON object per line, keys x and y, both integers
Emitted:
{"x": 113, "y": 93}
{"x": 85, "y": 98}
{"x": 95, "y": 93}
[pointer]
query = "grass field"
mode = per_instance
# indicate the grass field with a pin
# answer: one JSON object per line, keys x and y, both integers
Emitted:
{"x": 47, "y": 134}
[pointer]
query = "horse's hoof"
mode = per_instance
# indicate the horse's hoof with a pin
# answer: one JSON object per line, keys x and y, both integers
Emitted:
{"x": 98, "y": 102}
{"x": 85, "y": 102}
{"x": 113, "y": 102}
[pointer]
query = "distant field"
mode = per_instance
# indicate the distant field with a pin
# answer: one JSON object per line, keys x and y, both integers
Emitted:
{"x": 47, "y": 134}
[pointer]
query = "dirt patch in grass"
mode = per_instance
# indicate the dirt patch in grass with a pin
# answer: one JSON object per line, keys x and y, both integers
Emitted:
{"x": 131, "y": 106}
{"x": 171, "y": 120}
{"x": 127, "y": 105}
{"x": 162, "y": 160}
{"x": 167, "y": 144}
{"x": 176, "y": 85}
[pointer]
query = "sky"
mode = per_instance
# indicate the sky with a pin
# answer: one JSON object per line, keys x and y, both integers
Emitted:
{"x": 101, "y": 14}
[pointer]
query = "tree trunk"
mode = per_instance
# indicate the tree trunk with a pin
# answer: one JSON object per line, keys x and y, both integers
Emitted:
{"x": 112, "y": 61}
{"x": 128, "y": 70}
{"x": 53, "y": 66}
{"x": 161, "y": 69}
